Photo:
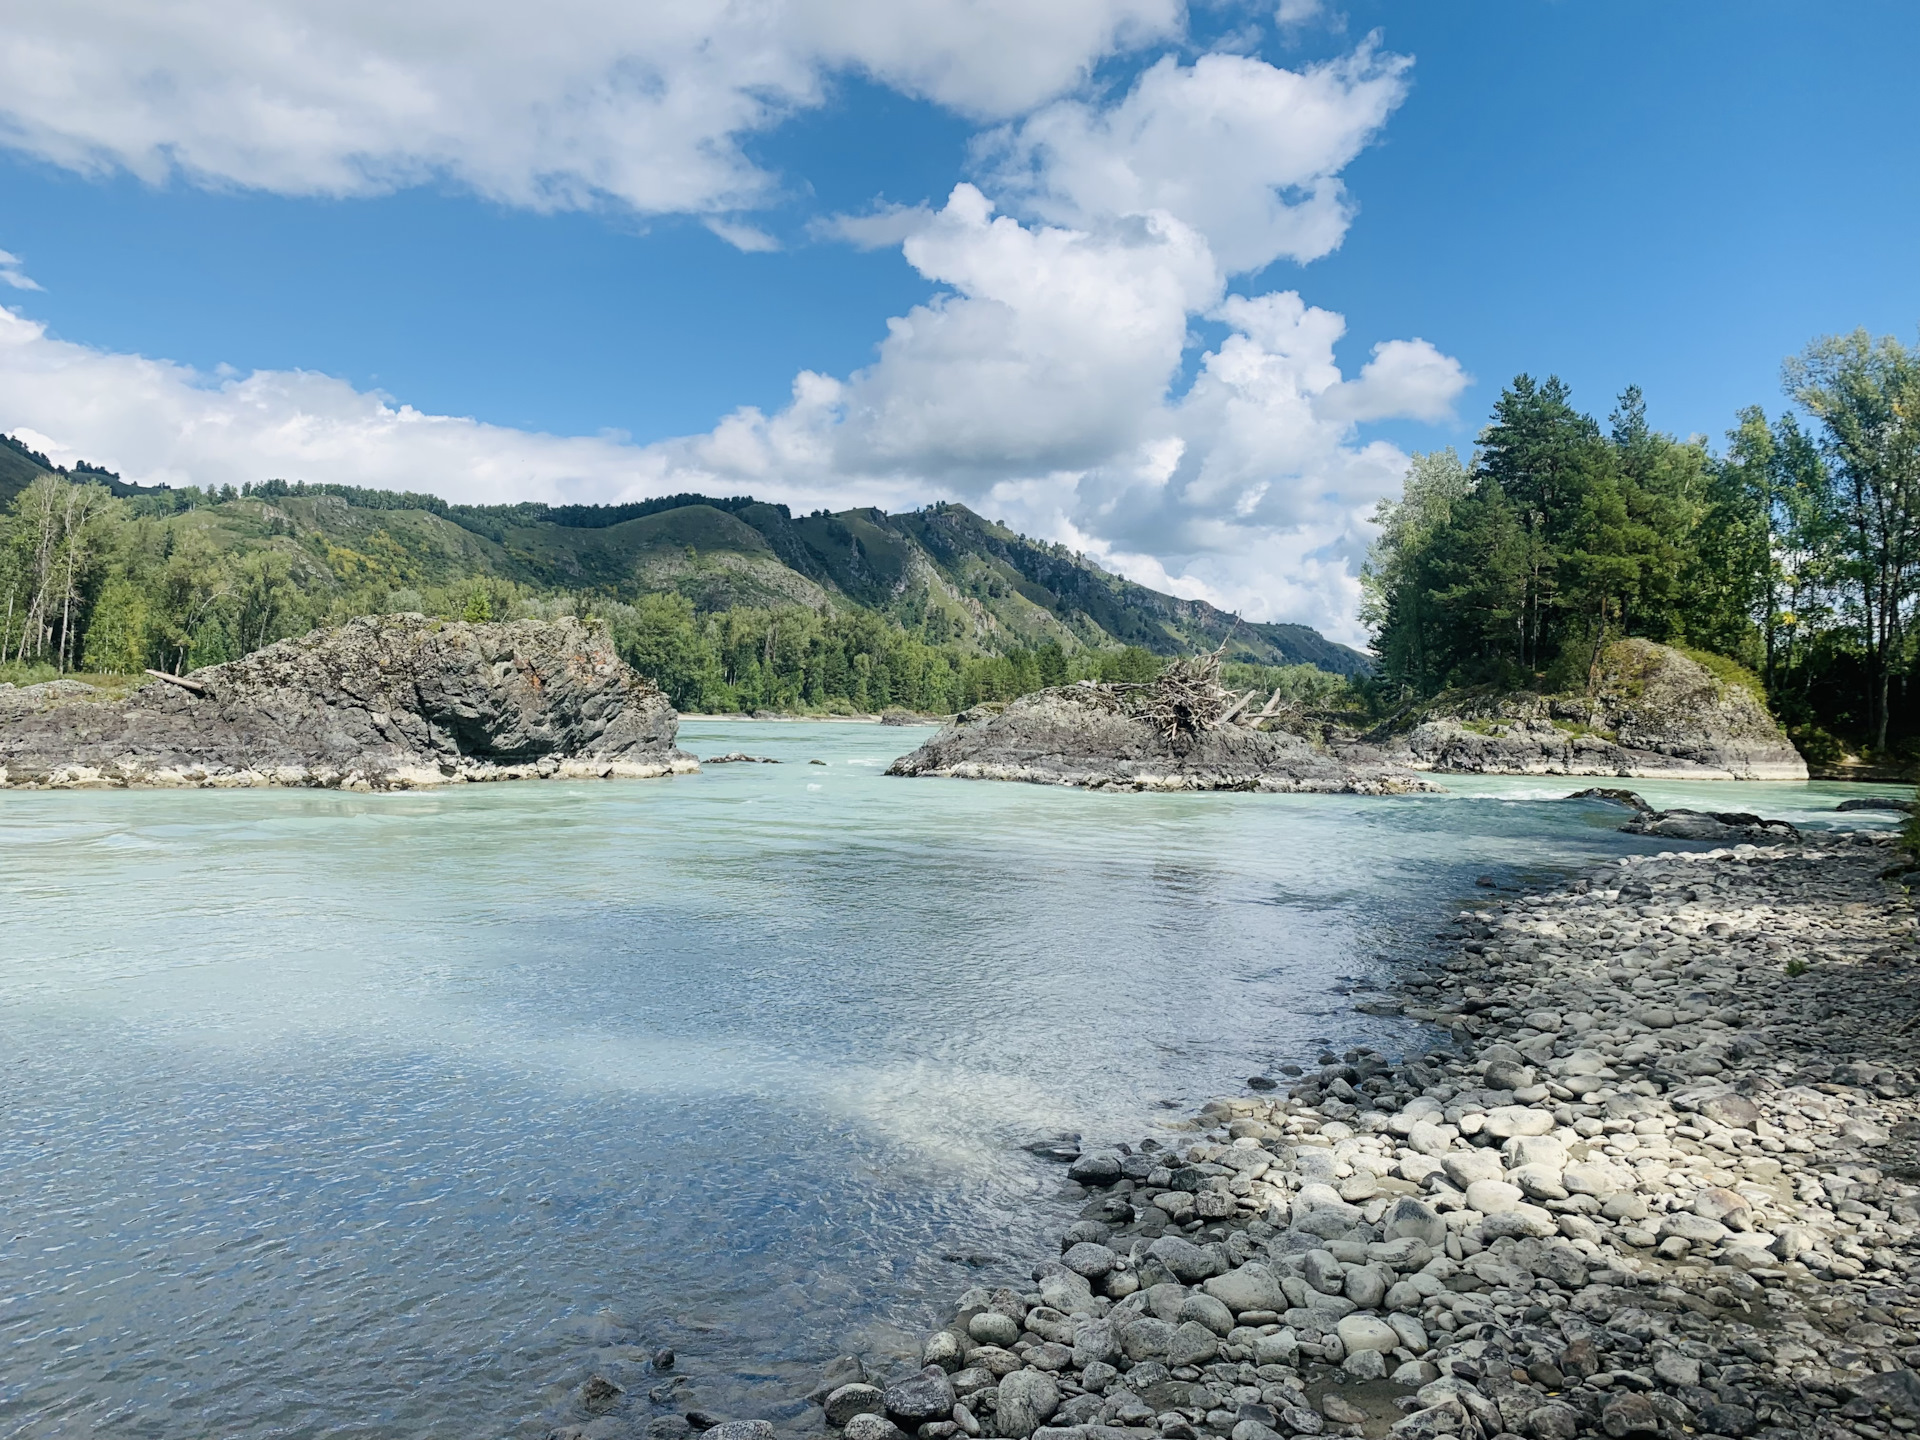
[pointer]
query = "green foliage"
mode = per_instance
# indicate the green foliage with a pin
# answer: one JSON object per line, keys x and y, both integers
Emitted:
{"x": 731, "y": 604}
{"x": 1727, "y": 671}
{"x": 1790, "y": 566}
{"x": 1307, "y": 686}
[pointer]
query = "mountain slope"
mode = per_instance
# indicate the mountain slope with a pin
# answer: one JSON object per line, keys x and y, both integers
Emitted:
{"x": 942, "y": 572}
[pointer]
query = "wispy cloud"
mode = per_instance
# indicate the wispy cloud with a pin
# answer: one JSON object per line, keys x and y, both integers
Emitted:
{"x": 751, "y": 239}
{"x": 12, "y": 274}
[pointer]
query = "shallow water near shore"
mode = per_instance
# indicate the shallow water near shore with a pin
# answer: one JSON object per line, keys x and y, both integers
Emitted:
{"x": 399, "y": 1115}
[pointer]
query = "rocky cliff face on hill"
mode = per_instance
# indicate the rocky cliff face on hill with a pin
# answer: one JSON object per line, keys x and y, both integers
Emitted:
{"x": 1090, "y": 735}
{"x": 1655, "y": 713}
{"x": 386, "y": 702}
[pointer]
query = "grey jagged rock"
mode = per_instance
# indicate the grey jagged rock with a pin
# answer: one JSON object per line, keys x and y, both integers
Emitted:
{"x": 1654, "y": 713}
{"x": 384, "y": 702}
{"x": 1079, "y": 735}
{"x": 1720, "y": 827}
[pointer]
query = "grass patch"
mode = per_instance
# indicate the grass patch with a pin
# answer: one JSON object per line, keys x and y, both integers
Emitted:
{"x": 1727, "y": 672}
{"x": 39, "y": 675}
{"x": 1797, "y": 968}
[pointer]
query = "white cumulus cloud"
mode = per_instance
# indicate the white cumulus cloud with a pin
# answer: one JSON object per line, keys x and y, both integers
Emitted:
{"x": 1046, "y": 381}
{"x": 1246, "y": 152}
{"x": 566, "y": 103}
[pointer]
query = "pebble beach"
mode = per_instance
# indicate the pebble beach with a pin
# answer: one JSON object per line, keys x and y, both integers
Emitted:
{"x": 1655, "y": 1176}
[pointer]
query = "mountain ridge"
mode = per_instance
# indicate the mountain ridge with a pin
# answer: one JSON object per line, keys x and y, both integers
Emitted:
{"x": 941, "y": 571}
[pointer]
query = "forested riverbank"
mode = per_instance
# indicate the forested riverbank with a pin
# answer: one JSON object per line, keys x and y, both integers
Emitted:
{"x": 1787, "y": 560}
{"x": 1792, "y": 555}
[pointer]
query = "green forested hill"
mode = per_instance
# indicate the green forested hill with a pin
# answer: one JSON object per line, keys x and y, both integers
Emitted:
{"x": 732, "y": 602}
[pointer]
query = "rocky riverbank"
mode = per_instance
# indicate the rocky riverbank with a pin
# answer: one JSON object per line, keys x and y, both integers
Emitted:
{"x": 1659, "y": 1180}
{"x": 384, "y": 702}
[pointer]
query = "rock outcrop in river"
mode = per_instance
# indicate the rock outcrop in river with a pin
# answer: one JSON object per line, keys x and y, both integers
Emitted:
{"x": 1654, "y": 714}
{"x": 384, "y": 702}
{"x": 1092, "y": 735}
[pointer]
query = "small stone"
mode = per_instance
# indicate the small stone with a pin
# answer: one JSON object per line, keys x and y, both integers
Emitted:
{"x": 597, "y": 1395}
{"x": 1672, "y": 1368}
{"x": 1466, "y": 1167}
{"x": 1693, "y": 1229}
{"x": 1365, "y": 1332}
{"x": 1504, "y": 1076}
{"x": 1095, "y": 1170}
{"x": 926, "y": 1396}
{"x": 1364, "y": 1365}
{"x": 1622, "y": 1205}
{"x": 1366, "y": 1285}
{"x": 872, "y": 1427}
{"x": 742, "y": 1430}
{"x": 942, "y": 1349}
{"x": 1324, "y": 1273}
{"x": 1192, "y": 1344}
{"x": 1413, "y": 1219}
{"x": 1027, "y": 1400}
{"x": 1629, "y": 1414}
{"x": 1493, "y": 1197}
{"x": 1089, "y": 1261}
{"x": 1416, "y": 1373}
{"x": 1736, "y": 1112}
{"x": 1724, "y": 1207}
{"x": 1553, "y": 1421}
{"x": 1206, "y": 1310}
{"x": 851, "y": 1400}
{"x": 1146, "y": 1338}
{"x": 1251, "y": 1287}
{"x": 663, "y": 1359}
{"x": 1280, "y": 1349}
{"x": 1723, "y": 1419}
{"x": 1188, "y": 1263}
{"x": 1342, "y": 1411}
{"x": 1413, "y": 1335}
{"x": 990, "y": 1327}
{"x": 1506, "y": 1121}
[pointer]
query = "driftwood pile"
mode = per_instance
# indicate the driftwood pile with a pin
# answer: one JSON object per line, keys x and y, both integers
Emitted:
{"x": 1187, "y": 699}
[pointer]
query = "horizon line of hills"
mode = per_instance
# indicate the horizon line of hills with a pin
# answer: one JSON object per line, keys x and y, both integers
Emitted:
{"x": 942, "y": 572}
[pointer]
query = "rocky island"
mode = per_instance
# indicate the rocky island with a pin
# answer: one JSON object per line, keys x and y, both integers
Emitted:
{"x": 1182, "y": 731}
{"x": 1652, "y": 712}
{"x": 381, "y": 703}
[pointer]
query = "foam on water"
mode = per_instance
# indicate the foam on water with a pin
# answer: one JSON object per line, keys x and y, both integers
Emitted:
{"x": 399, "y": 1115}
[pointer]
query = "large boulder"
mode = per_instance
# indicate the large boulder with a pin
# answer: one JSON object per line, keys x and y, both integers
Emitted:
{"x": 384, "y": 702}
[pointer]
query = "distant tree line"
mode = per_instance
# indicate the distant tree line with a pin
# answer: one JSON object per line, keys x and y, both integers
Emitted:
{"x": 104, "y": 584}
{"x": 1794, "y": 554}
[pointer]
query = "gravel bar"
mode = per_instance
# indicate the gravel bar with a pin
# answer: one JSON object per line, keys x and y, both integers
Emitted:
{"x": 1658, "y": 1179}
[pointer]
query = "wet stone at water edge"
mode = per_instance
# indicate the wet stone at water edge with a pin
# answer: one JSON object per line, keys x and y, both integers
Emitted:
{"x": 1656, "y": 1190}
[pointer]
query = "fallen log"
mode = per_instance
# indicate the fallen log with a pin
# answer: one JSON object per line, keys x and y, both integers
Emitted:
{"x": 191, "y": 686}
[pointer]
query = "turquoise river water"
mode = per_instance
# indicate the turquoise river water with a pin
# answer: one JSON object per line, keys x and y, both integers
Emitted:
{"x": 400, "y": 1115}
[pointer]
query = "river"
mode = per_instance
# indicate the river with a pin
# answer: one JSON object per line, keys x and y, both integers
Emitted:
{"x": 400, "y": 1115}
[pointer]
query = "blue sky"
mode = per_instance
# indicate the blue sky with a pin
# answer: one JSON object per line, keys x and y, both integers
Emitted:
{"x": 1632, "y": 193}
